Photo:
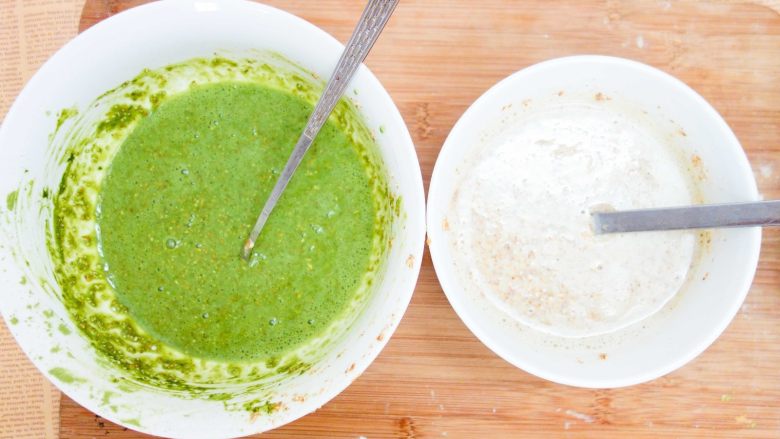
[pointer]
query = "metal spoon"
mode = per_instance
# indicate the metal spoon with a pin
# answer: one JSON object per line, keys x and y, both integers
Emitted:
{"x": 371, "y": 23}
{"x": 761, "y": 213}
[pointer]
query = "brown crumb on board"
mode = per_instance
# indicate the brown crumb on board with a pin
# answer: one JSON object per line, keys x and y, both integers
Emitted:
{"x": 350, "y": 368}
{"x": 428, "y": 241}
{"x": 445, "y": 225}
{"x": 410, "y": 261}
{"x": 602, "y": 356}
{"x": 601, "y": 97}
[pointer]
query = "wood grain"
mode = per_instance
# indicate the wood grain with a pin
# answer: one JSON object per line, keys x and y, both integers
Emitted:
{"x": 435, "y": 379}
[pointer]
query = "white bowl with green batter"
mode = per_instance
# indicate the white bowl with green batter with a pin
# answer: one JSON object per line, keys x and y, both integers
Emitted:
{"x": 132, "y": 166}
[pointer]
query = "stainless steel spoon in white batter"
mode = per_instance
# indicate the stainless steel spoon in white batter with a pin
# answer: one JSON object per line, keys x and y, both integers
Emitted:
{"x": 759, "y": 213}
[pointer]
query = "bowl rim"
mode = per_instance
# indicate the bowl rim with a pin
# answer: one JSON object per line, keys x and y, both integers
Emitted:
{"x": 440, "y": 247}
{"x": 415, "y": 206}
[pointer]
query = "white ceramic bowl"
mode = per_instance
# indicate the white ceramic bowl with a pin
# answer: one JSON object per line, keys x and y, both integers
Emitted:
{"x": 104, "y": 56}
{"x": 718, "y": 281}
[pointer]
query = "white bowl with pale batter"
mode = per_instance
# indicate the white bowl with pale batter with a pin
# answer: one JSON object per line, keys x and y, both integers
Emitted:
{"x": 570, "y": 307}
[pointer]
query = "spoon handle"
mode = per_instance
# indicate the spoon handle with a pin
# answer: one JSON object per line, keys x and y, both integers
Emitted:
{"x": 760, "y": 213}
{"x": 370, "y": 25}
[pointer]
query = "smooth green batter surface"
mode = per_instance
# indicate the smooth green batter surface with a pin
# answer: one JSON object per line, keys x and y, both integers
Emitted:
{"x": 164, "y": 177}
{"x": 184, "y": 191}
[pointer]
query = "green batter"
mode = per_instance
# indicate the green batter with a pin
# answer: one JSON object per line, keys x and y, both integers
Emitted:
{"x": 164, "y": 177}
{"x": 181, "y": 196}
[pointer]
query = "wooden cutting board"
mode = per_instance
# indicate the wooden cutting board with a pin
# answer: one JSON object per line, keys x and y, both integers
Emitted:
{"x": 434, "y": 378}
